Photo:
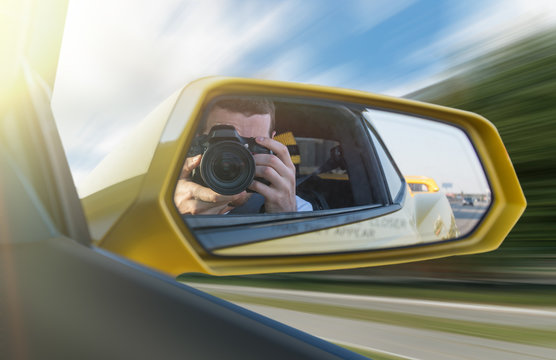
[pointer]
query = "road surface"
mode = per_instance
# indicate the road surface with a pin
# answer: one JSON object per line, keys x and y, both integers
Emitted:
{"x": 467, "y": 216}
{"x": 411, "y": 343}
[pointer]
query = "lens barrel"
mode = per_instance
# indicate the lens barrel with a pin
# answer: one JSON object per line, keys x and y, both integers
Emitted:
{"x": 227, "y": 167}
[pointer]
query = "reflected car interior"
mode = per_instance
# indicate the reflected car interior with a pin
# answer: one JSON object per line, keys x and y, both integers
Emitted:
{"x": 338, "y": 173}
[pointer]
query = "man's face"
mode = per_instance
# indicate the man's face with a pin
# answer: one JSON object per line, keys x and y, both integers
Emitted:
{"x": 247, "y": 126}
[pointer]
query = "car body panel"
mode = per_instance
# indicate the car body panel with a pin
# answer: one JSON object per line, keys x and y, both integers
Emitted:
{"x": 419, "y": 219}
{"x": 70, "y": 301}
{"x": 62, "y": 298}
{"x": 434, "y": 216}
{"x": 33, "y": 34}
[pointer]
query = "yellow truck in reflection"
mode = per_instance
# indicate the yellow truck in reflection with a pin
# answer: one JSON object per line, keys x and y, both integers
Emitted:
{"x": 421, "y": 184}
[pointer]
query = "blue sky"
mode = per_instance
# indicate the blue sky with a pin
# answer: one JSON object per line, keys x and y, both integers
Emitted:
{"x": 121, "y": 58}
{"x": 358, "y": 47}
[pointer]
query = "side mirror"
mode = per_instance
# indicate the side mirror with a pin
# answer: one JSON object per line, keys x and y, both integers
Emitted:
{"x": 378, "y": 180}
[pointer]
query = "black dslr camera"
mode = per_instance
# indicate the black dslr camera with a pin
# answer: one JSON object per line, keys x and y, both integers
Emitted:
{"x": 227, "y": 166}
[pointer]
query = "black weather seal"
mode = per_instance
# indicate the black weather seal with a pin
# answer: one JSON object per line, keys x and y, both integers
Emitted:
{"x": 220, "y": 232}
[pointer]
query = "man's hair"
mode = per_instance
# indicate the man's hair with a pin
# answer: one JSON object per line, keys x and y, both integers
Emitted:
{"x": 248, "y": 105}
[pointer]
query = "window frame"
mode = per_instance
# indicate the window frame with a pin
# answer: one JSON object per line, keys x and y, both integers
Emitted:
{"x": 398, "y": 197}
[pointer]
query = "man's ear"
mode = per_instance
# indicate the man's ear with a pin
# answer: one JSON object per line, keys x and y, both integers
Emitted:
{"x": 273, "y": 133}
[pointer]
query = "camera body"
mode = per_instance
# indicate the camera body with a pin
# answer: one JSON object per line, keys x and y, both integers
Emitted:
{"x": 227, "y": 165}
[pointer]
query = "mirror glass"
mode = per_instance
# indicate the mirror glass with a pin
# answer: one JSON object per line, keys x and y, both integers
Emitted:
{"x": 286, "y": 176}
{"x": 436, "y": 157}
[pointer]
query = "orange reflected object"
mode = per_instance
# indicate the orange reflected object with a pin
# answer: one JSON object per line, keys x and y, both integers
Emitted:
{"x": 421, "y": 184}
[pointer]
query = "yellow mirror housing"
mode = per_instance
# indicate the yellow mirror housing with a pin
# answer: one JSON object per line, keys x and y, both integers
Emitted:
{"x": 128, "y": 198}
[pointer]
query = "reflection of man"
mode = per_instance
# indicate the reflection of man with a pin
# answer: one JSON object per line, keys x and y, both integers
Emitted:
{"x": 251, "y": 117}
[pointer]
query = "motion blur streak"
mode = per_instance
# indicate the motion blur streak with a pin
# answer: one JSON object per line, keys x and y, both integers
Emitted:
{"x": 120, "y": 59}
{"x": 390, "y": 300}
{"x": 514, "y": 88}
{"x": 366, "y": 348}
{"x": 411, "y": 328}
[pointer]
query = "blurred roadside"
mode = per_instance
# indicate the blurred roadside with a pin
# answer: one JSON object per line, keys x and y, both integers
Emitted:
{"x": 514, "y": 270}
{"x": 515, "y": 88}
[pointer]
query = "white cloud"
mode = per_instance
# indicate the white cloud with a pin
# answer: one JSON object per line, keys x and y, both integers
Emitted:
{"x": 121, "y": 59}
{"x": 495, "y": 24}
{"x": 213, "y": 40}
{"x": 368, "y": 14}
{"x": 289, "y": 66}
{"x": 302, "y": 63}
{"x": 339, "y": 75}
{"x": 420, "y": 82}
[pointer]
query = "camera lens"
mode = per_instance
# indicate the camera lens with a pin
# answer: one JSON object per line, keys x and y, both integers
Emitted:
{"x": 227, "y": 167}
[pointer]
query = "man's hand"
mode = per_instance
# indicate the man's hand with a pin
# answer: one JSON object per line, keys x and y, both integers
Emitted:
{"x": 192, "y": 198}
{"x": 279, "y": 170}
